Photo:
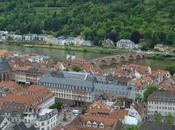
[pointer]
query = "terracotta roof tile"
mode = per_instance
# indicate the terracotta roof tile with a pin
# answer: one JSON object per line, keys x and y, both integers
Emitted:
{"x": 10, "y": 85}
{"x": 142, "y": 82}
{"x": 31, "y": 97}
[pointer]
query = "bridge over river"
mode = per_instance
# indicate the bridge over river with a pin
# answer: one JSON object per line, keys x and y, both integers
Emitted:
{"x": 107, "y": 60}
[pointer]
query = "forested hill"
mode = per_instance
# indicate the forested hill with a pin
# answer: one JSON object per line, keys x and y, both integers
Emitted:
{"x": 154, "y": 20}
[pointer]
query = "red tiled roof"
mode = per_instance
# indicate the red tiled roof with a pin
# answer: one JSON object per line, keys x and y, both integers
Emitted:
{"x": 99, "y": 107}
{"x": 10, "y": 85}
{"x": 142, "y": 82}
{"x": 32, "y": 96}
{"x": 22, "y": 68}
{"x": 139, "y": 68}
{"x": 158, "y": 73}
{"x": 99, "y": 119}
{"x": 168, "y": 85}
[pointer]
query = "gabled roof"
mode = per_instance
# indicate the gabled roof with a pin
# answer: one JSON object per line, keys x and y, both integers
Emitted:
{"x": 22, "y": 126}
{"x": 142, "y": 82}
{"x": 10, "y": 85}
{"x": 168, "y": 85}
{"x": 158, "y": 73}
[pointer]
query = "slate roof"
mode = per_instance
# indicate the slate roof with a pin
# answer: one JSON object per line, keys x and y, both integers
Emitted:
{"x": 162, "y": 97}
{"x": 70, "y": 75}
{"x": 4, "y": 64}
{"x": 79, "y": 76}
{"x": 1, "y": 119}
{"x": 111, "y": 87}
{"x": 13, "y": 108}
{"x": 71, "y": 82}
{"x": 75, "y": 75}
{"x": 22, "y": 126}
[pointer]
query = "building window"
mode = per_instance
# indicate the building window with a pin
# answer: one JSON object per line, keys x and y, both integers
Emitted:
{"x": 42, "y": 124}
{"x": 101, "y": 125}
{"x": 88, "y": 124}
{"x": 95, "y": 125}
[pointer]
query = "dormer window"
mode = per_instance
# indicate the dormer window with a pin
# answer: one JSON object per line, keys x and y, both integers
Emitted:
{"x": 101, "y": 125}
{"x": 95, "y": 124}
{"x": 88, "y": 124}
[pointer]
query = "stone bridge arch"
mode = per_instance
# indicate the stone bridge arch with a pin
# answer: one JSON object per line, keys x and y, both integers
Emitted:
{"x": 122, "y": 58}
{"x": 138, "y": 56}
{"x": 131, "y": 57}
{"x": 114, "y": 60}
{"x": 103, "y": 62}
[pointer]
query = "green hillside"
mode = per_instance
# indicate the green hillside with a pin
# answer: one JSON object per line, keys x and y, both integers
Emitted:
{"x": 151, "y": 20}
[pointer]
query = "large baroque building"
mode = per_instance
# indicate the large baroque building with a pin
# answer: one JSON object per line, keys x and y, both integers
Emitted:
{"x": 82, "y": 87}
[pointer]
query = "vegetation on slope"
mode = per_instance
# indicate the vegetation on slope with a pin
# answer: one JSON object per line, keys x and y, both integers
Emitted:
{"x": 153, "y": 21}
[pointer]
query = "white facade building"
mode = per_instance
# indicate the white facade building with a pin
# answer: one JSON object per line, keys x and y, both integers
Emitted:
{"x": 47, "y": 120}
{"x": 126, "y": 44}
{"x": 161, "y": 102}
{"x": 134, "y": 113}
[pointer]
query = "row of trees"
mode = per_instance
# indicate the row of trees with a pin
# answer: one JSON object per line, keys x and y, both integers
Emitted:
{"x": 169, "y": 119}
{"x": 151, "y": 21}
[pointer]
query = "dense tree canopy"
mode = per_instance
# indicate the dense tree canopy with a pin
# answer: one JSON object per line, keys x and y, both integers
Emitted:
{"x": 77, "y": 68}
{"x": 150, "y": 89}
{"x": 157, "y": 118}
{"x": 152, "y": 20}
{"x": 169, "y": 119}
{"x": 171, "y": 69}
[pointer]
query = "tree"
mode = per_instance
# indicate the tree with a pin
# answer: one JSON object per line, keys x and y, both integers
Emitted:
{"x": 35, "y": 28}
{"x": 133, "y": 128}
{"x": 87, "y": 33}
{"x": 77, "y": 68}
{"x": 94, "y": 18}
{"x": 157, "y": 118}
{"x": 113, "y": 36}
{"x": 84, "y": 110}
{"x": 169, "y": 119}
{"x": 171, "y": 69}
{"x": 101, "y": 33}
{"x": 58, "y": 106}
{"x": 150, "y": 89}
{"x": 136, "y": 36}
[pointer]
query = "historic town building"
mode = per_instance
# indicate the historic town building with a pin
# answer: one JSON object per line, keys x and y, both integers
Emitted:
{"x": 82, "y": 87}
{"x": 161, "y": 102}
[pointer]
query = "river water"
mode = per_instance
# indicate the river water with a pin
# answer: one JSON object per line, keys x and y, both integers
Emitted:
{"x": 59, "y": 55}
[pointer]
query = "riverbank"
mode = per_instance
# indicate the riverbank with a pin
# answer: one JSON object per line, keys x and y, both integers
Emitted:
{"x": 94, "y": 49}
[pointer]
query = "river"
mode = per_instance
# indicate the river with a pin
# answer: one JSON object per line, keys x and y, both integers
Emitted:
{"x": 56, "y": 54}
{"x": 60, "y": 55}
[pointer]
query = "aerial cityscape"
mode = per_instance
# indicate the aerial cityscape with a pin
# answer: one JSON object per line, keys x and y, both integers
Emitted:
{"x": 87, "y": 65}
